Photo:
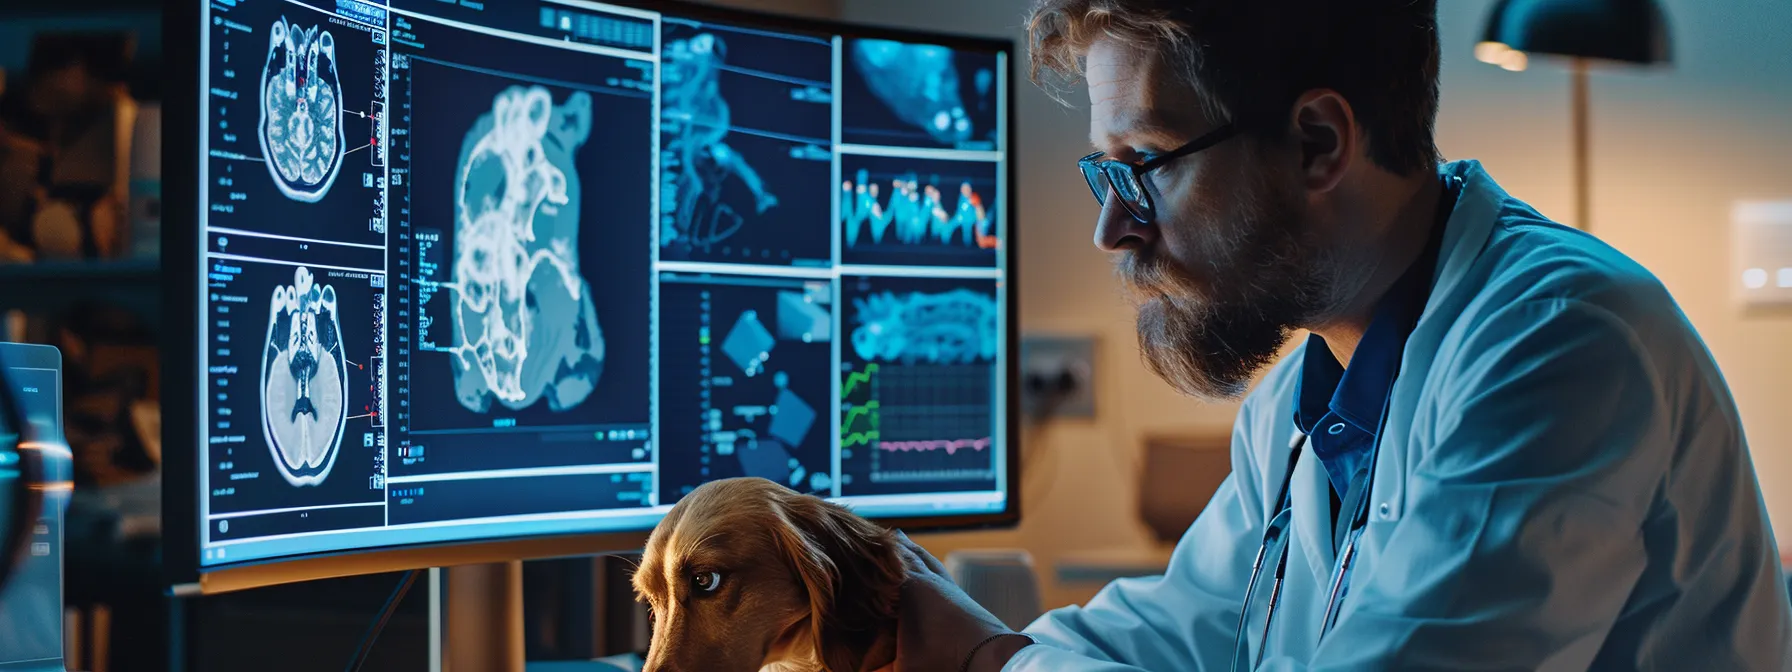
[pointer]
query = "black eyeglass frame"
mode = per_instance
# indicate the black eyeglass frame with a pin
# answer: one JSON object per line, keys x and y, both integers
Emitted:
{"x": 1095, "y": 169}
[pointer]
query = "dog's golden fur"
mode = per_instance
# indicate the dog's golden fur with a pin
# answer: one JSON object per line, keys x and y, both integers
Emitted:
{"x": 799, "y": 584}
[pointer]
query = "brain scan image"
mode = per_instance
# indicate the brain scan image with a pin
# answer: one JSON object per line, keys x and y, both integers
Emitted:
{"x": 304, "y": 380}
{"x": 301, "y": 111}
{"x": 525, "y": 326}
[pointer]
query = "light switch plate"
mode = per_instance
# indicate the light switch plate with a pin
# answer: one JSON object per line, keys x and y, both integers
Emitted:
{"x": 1045, "y": 358}
{"x": 1761, "y": 254}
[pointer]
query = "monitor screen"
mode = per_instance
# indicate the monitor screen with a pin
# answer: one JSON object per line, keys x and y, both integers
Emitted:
{"x": 31, "y": 599}
{"x": 488, "y": 270}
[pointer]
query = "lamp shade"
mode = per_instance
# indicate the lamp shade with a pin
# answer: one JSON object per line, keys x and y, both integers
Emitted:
{"x": 1630, "y": 31}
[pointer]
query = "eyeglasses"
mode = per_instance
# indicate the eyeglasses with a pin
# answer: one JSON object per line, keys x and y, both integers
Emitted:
{"x": 1127, "y": 180}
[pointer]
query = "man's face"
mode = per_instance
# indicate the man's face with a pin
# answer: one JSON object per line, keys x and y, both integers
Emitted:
{"x": 1229, "y": 265}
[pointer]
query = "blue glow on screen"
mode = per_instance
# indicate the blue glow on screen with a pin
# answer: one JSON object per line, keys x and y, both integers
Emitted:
{"x": 478, "y": 270}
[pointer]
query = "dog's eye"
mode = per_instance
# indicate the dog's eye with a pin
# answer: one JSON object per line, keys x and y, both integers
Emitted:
{"x": 707, "y": 582}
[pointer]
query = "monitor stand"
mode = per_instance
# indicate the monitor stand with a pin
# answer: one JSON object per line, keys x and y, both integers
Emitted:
{"x": 476, "y": 620}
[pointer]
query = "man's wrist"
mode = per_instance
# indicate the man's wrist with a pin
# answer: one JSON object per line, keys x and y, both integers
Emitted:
{"x": 995, "y": 653}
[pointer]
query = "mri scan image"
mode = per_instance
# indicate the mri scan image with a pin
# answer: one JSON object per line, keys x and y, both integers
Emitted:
{"x": 525, "y": 326}
{"x": 301, "y": 111}
{"x": 304, "y": 380}
{"x": 919, "y": 95}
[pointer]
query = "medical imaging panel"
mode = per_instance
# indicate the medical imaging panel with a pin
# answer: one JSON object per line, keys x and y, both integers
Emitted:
{"x": 301, "y": 112}
{"x": 304, "y": 379}
{"x": 298, "y": 88}
{"x": 918, "y": 212}
{"x": 745, "y": 146}
{"x": 489, "y": 269}
{"x": 527, "y": 288}
{"x": 744, "y": 379}
{"x": 918, "y": 95}
{"x": 513, "y": 168}
{"x": 293, "y": 392}
{"x": 917, "y": 384}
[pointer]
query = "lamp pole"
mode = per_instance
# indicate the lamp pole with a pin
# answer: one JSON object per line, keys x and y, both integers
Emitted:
{"x": 1585, "y": 31}
{"x": 1583, "y": 217}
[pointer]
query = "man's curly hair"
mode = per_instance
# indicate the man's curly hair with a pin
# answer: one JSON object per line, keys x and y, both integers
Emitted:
{"x": 1250, "y": 59}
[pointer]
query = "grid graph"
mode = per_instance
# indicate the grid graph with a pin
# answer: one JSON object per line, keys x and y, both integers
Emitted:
{"x": 933, "y": 423}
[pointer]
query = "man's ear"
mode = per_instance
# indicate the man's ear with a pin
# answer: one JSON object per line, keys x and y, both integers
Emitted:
{"x": 1324, "y": 125}
{"x": 858, "y": 562}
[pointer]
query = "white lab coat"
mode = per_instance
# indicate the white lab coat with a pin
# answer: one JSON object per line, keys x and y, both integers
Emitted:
{"x": 1563, "y": 484}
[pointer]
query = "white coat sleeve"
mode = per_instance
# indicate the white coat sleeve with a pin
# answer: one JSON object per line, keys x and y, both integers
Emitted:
{"x": 1182, "y": 620}
{"x": 1520, "y": 537}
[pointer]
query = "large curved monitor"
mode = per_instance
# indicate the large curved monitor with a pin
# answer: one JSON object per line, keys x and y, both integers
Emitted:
{"x": 461, "y": 281}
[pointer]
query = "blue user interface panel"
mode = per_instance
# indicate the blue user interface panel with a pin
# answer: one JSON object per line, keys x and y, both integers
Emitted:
{"x": 478, "y": 270}
{"x": 31, "y": 599}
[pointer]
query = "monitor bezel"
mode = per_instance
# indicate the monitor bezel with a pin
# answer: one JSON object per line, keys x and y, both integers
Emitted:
{"x": 181, "y": 351}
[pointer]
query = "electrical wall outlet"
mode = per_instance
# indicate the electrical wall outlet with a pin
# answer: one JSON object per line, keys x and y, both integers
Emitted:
{"x": 1057, "y": 376}
{"x": 1761, "y": 254}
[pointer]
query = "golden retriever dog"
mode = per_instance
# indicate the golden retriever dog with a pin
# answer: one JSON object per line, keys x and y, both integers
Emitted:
{"x": 745, "y": 575}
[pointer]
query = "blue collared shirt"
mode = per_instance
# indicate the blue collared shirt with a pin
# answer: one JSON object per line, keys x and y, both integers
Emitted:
{"x": 1338, "y": 408}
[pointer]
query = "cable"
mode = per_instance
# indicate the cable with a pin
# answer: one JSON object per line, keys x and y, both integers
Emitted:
{"x": 379, "y": 622}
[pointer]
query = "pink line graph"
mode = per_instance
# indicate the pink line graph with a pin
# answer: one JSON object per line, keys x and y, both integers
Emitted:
{"x": 950, "y": 446}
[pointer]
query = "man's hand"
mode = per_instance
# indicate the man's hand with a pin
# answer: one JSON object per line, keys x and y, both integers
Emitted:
{"x": 938, "y": 624}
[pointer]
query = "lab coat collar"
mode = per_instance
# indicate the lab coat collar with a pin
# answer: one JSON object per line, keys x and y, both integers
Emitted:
{"x": 1356, "y": 394}
{"x": 1465, "y": 234}
{"x": 1471, "y": 223}
{"x": 1465, "y": 237}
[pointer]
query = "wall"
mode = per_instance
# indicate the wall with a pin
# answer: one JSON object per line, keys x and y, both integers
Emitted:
{"x": 1671, "y": 150}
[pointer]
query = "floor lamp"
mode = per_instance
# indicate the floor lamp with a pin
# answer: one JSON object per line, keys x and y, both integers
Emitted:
{"x": 1586, "y": 32}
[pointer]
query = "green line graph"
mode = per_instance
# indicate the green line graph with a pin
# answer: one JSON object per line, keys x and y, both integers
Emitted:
{"x": 859, "y": 427}
{"x": 865, "y": 415}
{"x": 856, "y": 378}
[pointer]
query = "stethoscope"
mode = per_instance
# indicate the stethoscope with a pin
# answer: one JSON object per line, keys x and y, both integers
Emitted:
{"x": 1275, "y": 533}
{"x": 1275, "y": 536}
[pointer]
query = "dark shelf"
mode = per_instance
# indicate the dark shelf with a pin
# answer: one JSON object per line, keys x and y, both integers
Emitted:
{"x": 59, "y": 286}
{"x": 144, "y": 273}
{"x": 35, "y": 8}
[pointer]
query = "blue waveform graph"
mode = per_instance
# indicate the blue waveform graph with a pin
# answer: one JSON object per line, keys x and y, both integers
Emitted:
{"x": 919, "y": 212}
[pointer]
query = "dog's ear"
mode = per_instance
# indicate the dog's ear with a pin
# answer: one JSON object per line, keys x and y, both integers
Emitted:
{"x": 851, "y": 570}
